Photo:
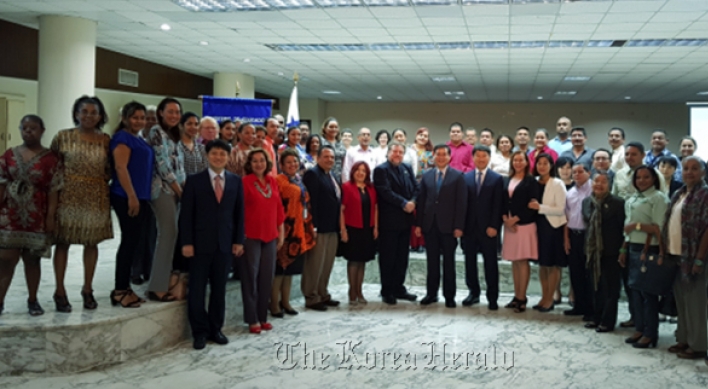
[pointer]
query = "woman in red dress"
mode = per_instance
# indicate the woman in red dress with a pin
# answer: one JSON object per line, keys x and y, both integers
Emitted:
{"x": 29, "y": 180}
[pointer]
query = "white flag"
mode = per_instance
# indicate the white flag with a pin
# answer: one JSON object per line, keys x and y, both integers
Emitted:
{"x": 293, "y": 119}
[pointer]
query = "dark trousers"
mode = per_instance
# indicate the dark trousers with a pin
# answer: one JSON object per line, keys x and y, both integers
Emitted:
{"x": 132, "y": 228}
{"x": 646, "y": 313}
{"x": 142, "y": 261}
{"x": 474, "y": 244}
{"x": 607, "y": 293}
{"x": 436, "y": 244}
{"x": 579, "y": 278}
{"x": 393, "y": 260}
{"x": 257, "y": 272}
{"x": 214, "y": 270}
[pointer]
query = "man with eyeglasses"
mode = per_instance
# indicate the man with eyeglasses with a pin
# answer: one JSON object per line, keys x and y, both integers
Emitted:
{"x": 361, "y": 152}
{"x": 601, "y": 162}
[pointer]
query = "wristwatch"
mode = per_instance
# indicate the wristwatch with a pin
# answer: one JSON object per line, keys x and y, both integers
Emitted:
{"x": 639, "y": 226}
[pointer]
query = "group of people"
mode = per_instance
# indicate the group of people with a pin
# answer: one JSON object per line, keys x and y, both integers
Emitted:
{"x": 195, "y": 196}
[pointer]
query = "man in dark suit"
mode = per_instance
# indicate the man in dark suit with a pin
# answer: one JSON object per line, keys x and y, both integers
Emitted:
{"x": 326, "y": 203}
{"x": 484, "y": 218}
{"x": 440, "y": 215}
{"x": 396, "y": 190}
{"x": 212, "y": 232}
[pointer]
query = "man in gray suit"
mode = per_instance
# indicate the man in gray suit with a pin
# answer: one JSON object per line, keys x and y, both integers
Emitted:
{"x": 440, "y": 216}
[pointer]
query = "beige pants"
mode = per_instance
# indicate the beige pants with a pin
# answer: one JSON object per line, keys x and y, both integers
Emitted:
{"x": 318, "y": 267}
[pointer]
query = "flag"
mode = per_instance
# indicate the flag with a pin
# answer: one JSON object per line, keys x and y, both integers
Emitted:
{"x": 293, "y": 119}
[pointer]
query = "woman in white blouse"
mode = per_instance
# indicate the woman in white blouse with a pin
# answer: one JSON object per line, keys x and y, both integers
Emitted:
{"x": 411, "y": 156}
{"x": 550, "y": 222}
{"x": 501, "y": 159}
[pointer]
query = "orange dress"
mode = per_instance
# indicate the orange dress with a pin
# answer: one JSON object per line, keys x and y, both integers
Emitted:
{"x": 298, "y": 225}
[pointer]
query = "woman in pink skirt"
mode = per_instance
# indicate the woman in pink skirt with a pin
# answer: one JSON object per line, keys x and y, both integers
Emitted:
{"x": 520, "y": 240}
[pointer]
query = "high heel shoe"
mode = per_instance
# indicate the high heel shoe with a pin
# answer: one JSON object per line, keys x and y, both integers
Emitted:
{"x": 89, "y": 300}
{"x": 62, "y": 303}
{"x": 121, "y": 296}
{"x": 166, "y": 298}
{"x": 548, "y": 309}
{"x": 279, "y": 315}
{"x": 633, "y": 339}
{"x": 289, "y": 311}
{"x": 651, "y": 343}
{"x": 521, "y": 306}
{"x": 34, "y": 308}
{"x": 254, "y": 330}
{"x": 513, "y": 304}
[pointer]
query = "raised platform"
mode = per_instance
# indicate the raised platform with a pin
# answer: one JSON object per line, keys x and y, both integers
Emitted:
{"x": 58, "y": 343}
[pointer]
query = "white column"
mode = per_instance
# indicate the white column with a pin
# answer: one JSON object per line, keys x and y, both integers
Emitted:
{"x": 234, "y": 85}
{"x": 67, "y": 69}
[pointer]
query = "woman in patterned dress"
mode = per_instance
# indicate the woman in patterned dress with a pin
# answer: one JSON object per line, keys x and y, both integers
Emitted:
{"x": 195, "y": 160}
{"x": 330, "y": 137}
{"x": 29, "y": 180}
{"x": 239, "y": 153}
{"x": 84, "y": 211}
{"x": 298, "y": 232}
{"x": 423, "y": 149}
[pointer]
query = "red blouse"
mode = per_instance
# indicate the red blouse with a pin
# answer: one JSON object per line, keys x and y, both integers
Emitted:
{"x": 351, "y": 200}
{"x": 263, "y": 215}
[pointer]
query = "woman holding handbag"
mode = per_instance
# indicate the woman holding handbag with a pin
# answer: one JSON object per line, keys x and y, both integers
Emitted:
{"x": 649, "y": 274}
{"x": 685, "y": 233}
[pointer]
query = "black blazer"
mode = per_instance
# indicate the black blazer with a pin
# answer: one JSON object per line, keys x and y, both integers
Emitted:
{"x": 324, "y": 204}
{"x": 612, "y": 223}
{"x": 484, "y": 210}
{"x": 207, "y": 224}
{"x": 518, "y": 204}
{"x": 448, "y": 208}
{"x": 393, "y": 191}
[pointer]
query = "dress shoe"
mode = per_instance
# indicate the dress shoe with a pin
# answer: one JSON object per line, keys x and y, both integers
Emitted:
{"x": 199, "y": 342}
{"x": 289, "y": 311}
{"x": 601, "y": 329}
{"x": 407, "y": 296}
{"x": 690, "y": 354}
{"x": 646, "y": 343}
{"x": 279, "y": 315}
{"x": 572, "y": 312}
{"x": 427, "y": 300}
{"x": 317, "y": 307}
{"x": 450, "y": 303}
{"x": 470, "y": 300}
{"x": 627, "y": 324}
{"x": 678, "y": 347}
{"x": 331, "y": 303}
{"x": 633, "y": 339}
{"x": 590, "y": 325}
{"x": 493, "y": 306}
{"x": 266, "y": 326}
{"x": 390, "y": 300}
{"x": 588, "y": 318}
{"x": 219, "y": 338}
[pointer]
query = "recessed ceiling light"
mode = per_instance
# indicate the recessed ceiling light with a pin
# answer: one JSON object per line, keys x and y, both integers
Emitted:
{"x": 704, "y": 93}
{"x": 246, "y": 60}
{"x": 540, "y": 97}
{"x": 379, "y": 97}
{"x": 628, "y": 97}
{"x": 165, "y": 27}
{"x": 204, "y": 43}
{"x": 331, "y": 92}
{"x": 280, "y": 73}
{"x": 565, "y": 93}
{"x": 454, "y": 93}
{"x": 443, "y": 78}
{"x": 457, "y": 97}
{"x": 576, "y": 78}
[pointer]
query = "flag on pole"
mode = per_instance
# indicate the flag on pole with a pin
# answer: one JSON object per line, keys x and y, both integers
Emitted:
{"x": 293, "y": 119}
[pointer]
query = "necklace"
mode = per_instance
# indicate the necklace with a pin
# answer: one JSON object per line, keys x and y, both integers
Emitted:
{"x": 266, "y": 192}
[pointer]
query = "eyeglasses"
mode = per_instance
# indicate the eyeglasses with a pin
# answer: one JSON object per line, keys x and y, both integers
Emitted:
{"x": 602, "y": 159}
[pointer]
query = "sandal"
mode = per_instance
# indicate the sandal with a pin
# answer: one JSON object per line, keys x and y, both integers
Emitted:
{"x": 89, "y": 300}
{"x": 513, "y": 304}
{"x": 122, "y": 295}
{"x": 34, "y": 308}
{"x": 62, "y": 303}
{"x": 166, "y": 298}
{"x": 521, "y": 305}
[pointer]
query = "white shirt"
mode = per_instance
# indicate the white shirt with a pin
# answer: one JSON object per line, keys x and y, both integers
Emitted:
{"x": 357, "y": 154}
{"x": 212, "y": 176}
{"x": 674, "y": 232}
{"x": 500, "y": 164}
{"x": 618, "y": 159}
{"x": 381, "y": 154}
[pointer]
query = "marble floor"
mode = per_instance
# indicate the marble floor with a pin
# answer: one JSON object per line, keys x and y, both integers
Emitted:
{"x": 403, "y": 346}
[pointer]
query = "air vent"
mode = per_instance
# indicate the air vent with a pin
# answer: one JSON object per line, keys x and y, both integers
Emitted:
{"x": 128, "y": 77}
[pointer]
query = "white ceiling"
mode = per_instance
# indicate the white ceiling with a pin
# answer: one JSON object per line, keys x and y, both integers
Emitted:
{"x": 646, "y": 74}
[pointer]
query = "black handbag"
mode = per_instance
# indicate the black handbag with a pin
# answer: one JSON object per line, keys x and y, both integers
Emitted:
{"x": 649, "y": 276}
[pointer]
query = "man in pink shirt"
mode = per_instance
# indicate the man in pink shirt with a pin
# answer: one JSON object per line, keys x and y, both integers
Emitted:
{"x": 460, "y": 151}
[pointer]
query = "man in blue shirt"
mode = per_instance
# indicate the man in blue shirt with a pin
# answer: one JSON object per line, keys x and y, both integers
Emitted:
{"x": 579, "y": 153}
{"x": 659, "y": 140}
{"x": 561, "y": 142}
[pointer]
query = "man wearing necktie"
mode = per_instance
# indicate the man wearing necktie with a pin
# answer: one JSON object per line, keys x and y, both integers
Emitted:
{"x": 211, "y": 226}
{"x": 396, "y": 190}
{"x": 440, "y": 215}
{"x": 484, "y": 218}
